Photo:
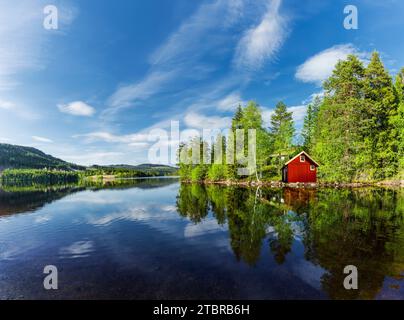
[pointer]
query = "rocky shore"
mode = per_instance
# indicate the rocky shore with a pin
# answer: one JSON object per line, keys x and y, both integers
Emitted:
{"x": 279, "y": 184}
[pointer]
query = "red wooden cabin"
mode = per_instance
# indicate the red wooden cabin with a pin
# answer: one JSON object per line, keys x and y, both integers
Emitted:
{"x": 301, "y": 168}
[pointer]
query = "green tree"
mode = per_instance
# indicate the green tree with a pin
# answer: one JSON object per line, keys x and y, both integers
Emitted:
{"x": 310, "y": 122}
{"x": 382, "y": 101}
{"x": 281, "y": 131}
{"x": 231, "y": 168}
{"x": 398, "y": 121}
{"x": 252, "y": 119}
{"x": 337, "y": 133}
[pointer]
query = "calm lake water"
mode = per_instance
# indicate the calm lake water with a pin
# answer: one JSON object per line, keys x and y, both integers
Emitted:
{"x": 158, "y": 239}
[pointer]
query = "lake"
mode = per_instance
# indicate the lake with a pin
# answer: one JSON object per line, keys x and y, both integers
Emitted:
{"x": 159, "y": 239}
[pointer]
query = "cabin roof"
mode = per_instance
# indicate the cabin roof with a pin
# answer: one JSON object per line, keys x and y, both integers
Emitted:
{"x": 298, "y": 155}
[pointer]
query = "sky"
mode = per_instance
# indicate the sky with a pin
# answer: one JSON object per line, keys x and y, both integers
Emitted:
{"x": 92, "y": 90}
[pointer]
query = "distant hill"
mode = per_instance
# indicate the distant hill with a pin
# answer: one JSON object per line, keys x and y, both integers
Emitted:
{"x": 19, "y": 157}
{"x": 145, "y": 167}
{"x": 12, "y": 156}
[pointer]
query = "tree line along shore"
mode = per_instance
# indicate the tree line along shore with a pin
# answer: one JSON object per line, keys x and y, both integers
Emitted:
{"x": 354, "y": 129}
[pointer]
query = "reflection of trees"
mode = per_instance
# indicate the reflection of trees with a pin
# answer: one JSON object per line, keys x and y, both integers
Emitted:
{"x": 29, "y": 200}
{"x": 362, "y": 228}
{"x": 18, "y": 199}
{"x": 192, "y": 202}
{"x": 340, "y": 227}
{"x": 247, "y": 215}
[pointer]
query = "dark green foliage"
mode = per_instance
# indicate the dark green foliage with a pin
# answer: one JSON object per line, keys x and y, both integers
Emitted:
{"x": 355, "y": 132}
{"x": 310, "y": 124}
{"x": 38, "y": 176}
{"x": 12, "y": 156}
{"x": 358, "y": 128}
{"x": 281, "y": 137}
{"x": 123, "y": 171}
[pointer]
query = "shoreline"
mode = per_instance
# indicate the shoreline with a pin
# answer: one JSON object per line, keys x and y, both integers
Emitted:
{"x": 279, "y": 184}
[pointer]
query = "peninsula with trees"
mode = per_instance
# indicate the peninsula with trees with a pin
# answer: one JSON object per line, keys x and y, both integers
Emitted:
{"x": 354, "y": 129}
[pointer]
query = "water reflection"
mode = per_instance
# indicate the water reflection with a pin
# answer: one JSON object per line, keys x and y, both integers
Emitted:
{"x": 158, "y": 239}
{"x": 361, "y": 227}
{"x": 20, "y": 199}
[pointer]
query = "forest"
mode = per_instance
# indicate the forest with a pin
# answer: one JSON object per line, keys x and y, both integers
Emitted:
{"x": 92, "y": 175}
{"x": 354, "y": 129}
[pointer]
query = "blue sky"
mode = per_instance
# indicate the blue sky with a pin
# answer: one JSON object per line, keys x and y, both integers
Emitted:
{"x": 91, "y": 91}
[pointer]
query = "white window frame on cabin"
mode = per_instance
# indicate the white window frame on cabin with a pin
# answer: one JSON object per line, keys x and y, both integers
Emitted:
{"x": 302, "y": 157}
{"x": 312, "y": 167}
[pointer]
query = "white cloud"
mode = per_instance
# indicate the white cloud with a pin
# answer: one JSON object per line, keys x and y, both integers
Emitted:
{"x": 79, "y": 249}
{"x": 230, "y": 102}
{"x": 77, "y": 108}
{"x": 199, "y": 121}
{"x": 112, "y": 138}
{"x": 263, "y": 41}
{"x": 298, "y": 112}
{"x": 203, "y": 228}
{"x": 41, "y": 139}
{"x": 313, "y": 96}
{"x": 18, "y": 110}
{"x": 140, "y": 90}
{"x": 320, "y": 66}
{"x": 266, "y": 116}
{"x": 181, "y": 56}
{"x": 4, "y": 140}
{"x": 6, "y": 105}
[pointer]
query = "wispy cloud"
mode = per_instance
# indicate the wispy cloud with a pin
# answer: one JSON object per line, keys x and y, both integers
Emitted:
{"x": 77, "y": 108}
{"x": 41, "y": 139}
{"x": 320, "y": 66}
{"x": 182, "y": 56}
{"x": 130, "y": 139}
{"x": 4, "y": 140}
{"x": 177, "y": 57}
{"x": 9, "y": 107}
{"x": 262, "y": 41}
{"x": 79, "y": 249}
{"x": 6, "y": 105}
{"x": 199, "y": 121}
{"x": 298, "y": 112}
{"x": 22, "y": 38}
{"x": 90, "y": 158}
{"x": 125, "y": 95}
{"x": 230, "y": 102}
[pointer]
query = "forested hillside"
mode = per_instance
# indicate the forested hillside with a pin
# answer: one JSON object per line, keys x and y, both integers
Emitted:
{"x": 354, "y": 129}
{"x": 12, "y": 156}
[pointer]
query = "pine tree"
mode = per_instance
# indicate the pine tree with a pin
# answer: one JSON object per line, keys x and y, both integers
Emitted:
{"x": 231, "y": 168}
{"x": 382, "y": 101}
{"x": 338, "y": 131}
{"x": 281, "y": 131}
{"x": 309, "y": 125}
{"x": 398, "y": 122}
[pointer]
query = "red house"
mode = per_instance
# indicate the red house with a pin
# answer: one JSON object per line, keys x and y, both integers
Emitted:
{"x": 301, "y": 168}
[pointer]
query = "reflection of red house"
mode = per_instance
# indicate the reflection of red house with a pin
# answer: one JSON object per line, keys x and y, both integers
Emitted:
{"x": 301, "y": 168}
